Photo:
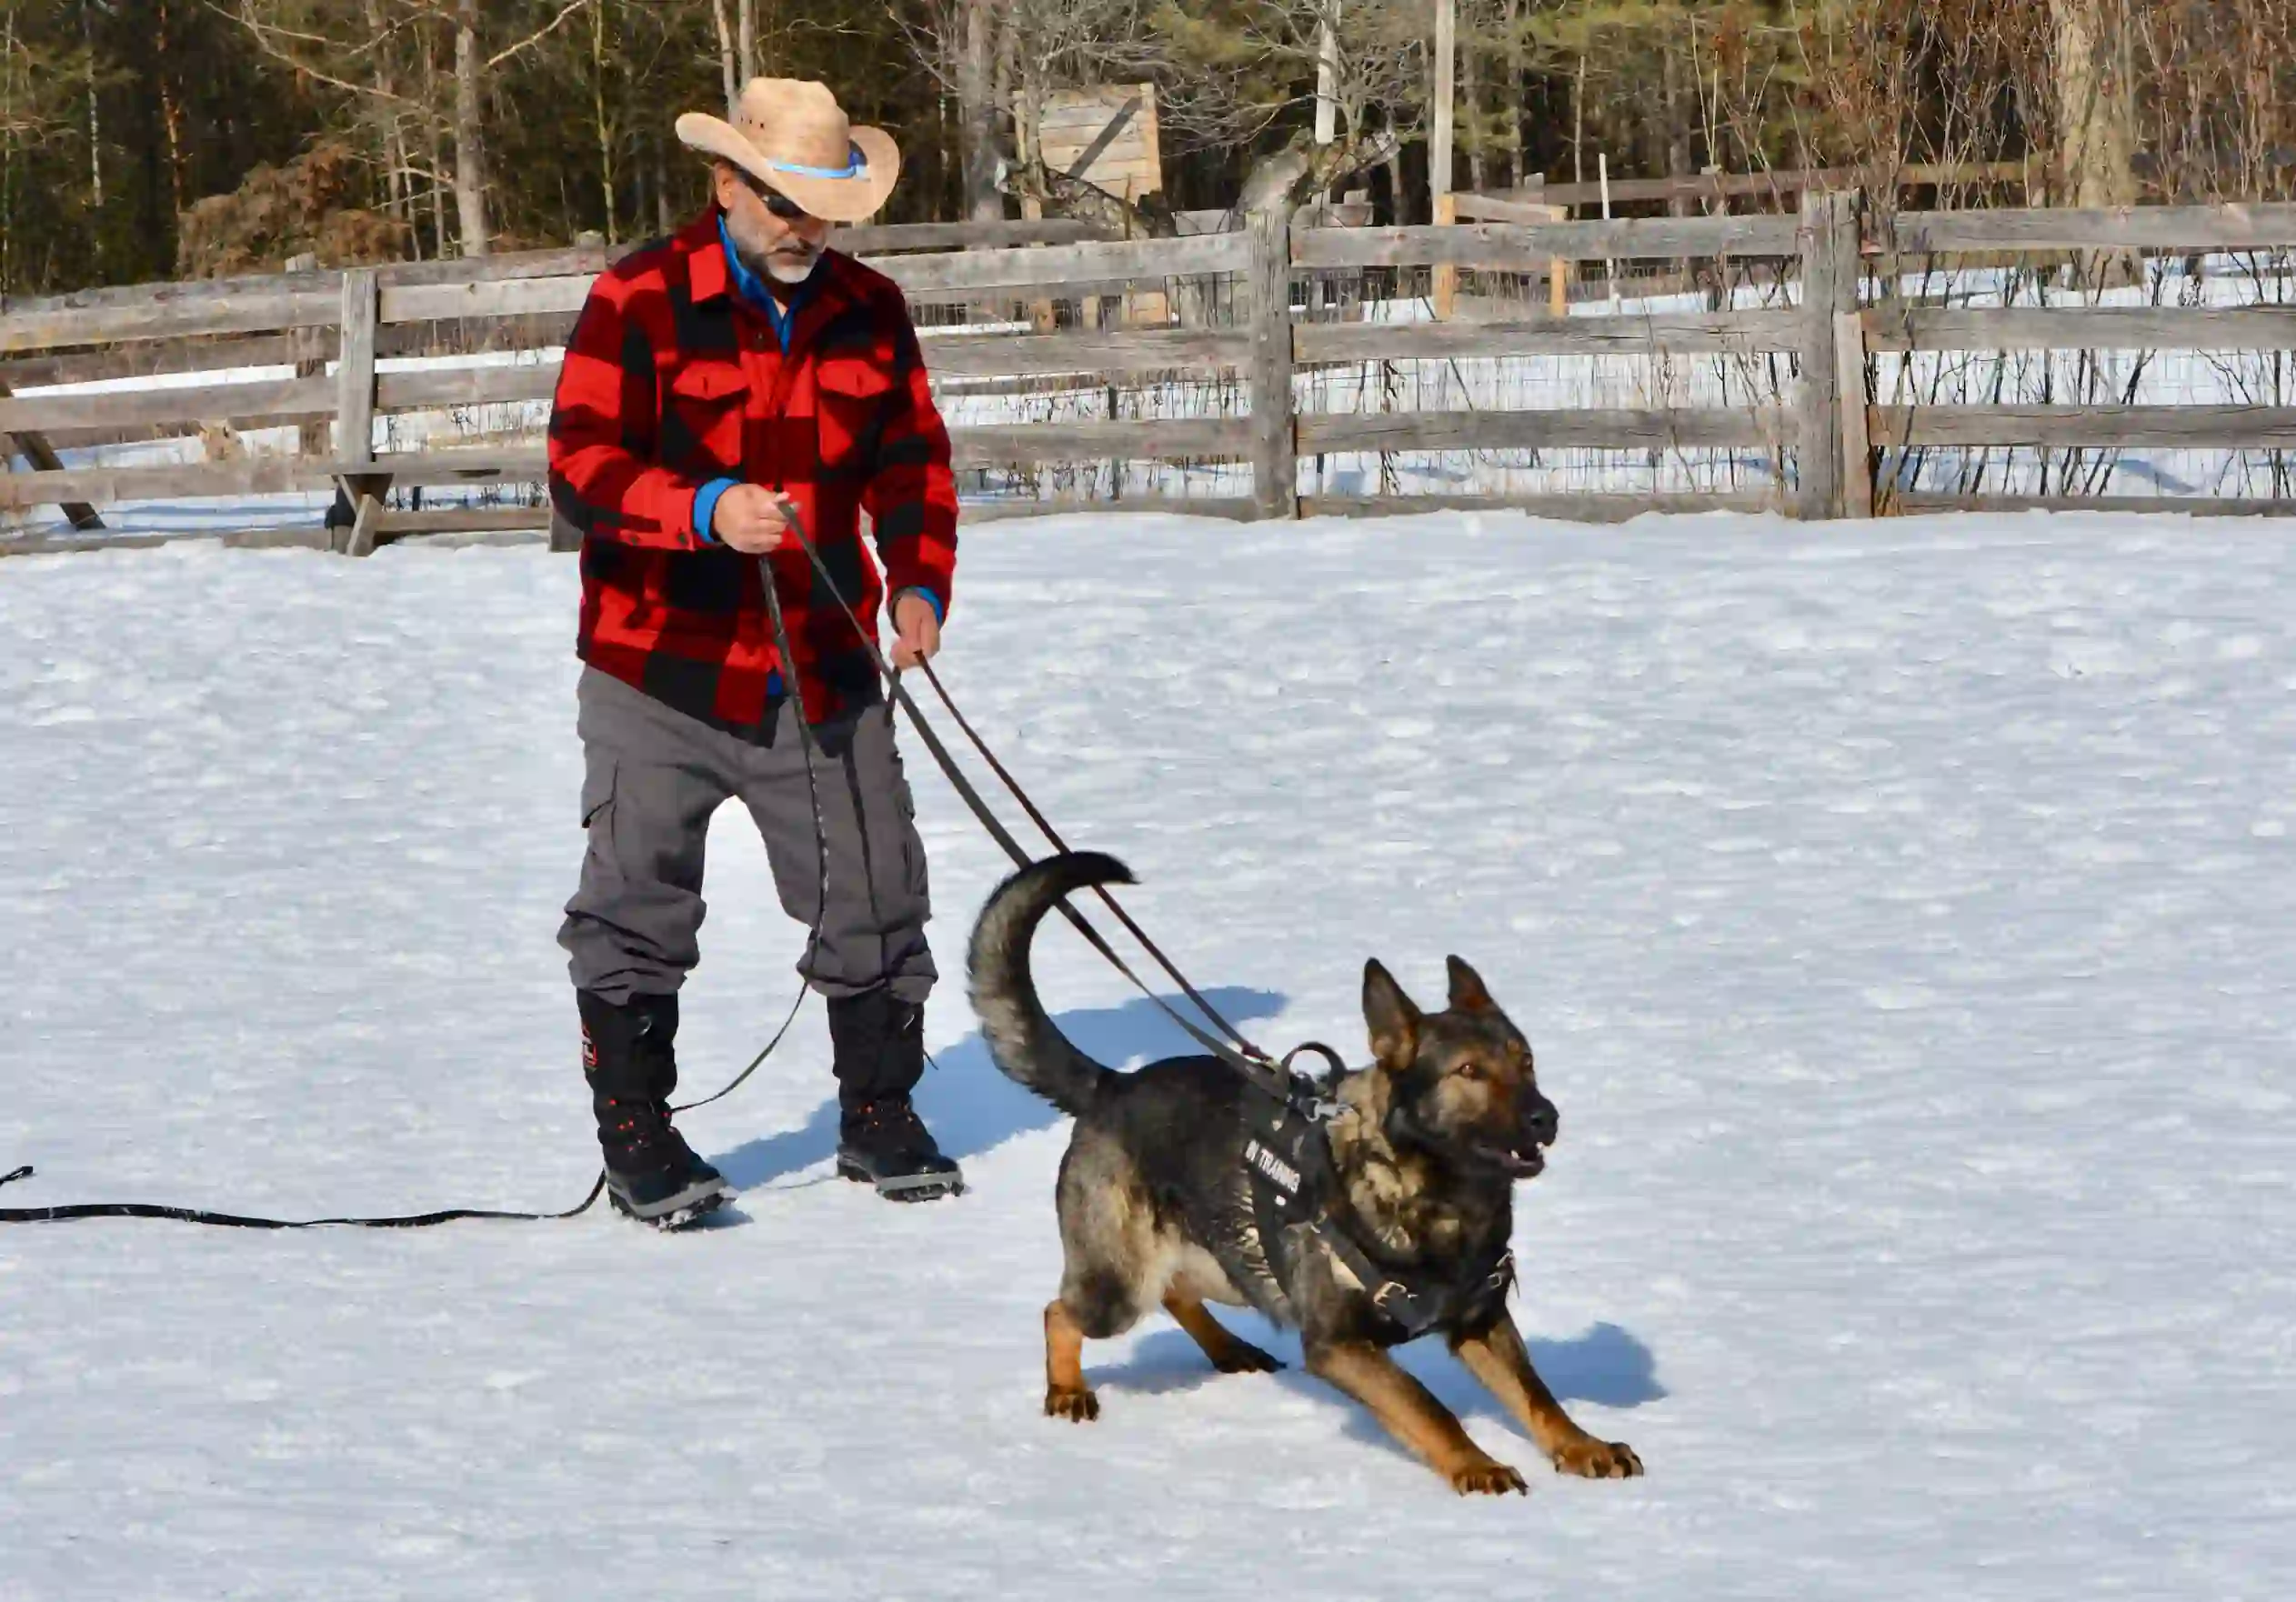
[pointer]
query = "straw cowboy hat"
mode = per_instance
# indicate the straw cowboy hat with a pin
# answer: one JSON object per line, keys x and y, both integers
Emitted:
{"x": 791, "y": 134}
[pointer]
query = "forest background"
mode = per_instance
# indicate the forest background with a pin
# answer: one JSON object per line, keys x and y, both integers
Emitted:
{"x": 151, "y": 139}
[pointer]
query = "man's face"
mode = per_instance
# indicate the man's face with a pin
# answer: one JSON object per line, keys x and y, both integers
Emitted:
{"x": 785, "y": 247}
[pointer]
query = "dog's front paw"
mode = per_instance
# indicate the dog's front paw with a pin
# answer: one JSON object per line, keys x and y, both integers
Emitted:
{"x": 1075, "y": 1403}
{"x": 1488, "y": 1479}
{"x": 1590, "y": 1458}
{"x": 1243, "y": 1357}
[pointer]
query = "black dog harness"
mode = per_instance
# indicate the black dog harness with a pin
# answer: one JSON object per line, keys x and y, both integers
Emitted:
{"x": 1294, "y": 1187}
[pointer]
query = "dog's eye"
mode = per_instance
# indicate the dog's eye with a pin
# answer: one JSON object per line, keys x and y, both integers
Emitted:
{"x": 1471, "y": 1069}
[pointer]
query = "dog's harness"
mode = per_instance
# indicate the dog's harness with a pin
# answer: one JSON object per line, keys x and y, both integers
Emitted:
{"x": 1295, "y": 1196}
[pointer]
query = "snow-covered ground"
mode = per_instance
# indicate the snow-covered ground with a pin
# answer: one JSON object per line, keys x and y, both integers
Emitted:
{"x": 1901, "y": 914}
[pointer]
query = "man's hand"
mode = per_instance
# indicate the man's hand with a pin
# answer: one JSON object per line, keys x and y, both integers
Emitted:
{"x": 917, "y": 630}
{"x": 748, "y": 518}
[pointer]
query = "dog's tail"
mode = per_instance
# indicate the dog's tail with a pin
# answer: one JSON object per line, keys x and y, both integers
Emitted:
{"x": 1022, "y": 1040}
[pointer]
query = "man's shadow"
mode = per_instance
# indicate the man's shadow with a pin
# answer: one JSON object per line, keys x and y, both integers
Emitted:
{"x": 971, "y": 1107}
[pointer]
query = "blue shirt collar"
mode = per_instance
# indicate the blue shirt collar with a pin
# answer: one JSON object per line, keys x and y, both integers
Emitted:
{"x": 752, "y": 289}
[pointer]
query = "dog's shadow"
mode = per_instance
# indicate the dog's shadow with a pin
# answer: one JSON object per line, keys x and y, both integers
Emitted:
{"x": 1606, "y": 1366}
{"x": 971, "y": 1107}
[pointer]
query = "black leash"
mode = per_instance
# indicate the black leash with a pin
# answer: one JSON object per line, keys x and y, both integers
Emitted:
{"x": 232, "y": 1220}
{"x": 794, "y": 695}
{"x": 1256, "y": 1066}
{"x": 1288, "y": 1160}
{"x": 1273, "y": 1079}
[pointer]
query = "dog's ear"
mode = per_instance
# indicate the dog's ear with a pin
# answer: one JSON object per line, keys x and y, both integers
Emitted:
{"x": 1388, "y": 1014}
{"x": 1468, "y": 994}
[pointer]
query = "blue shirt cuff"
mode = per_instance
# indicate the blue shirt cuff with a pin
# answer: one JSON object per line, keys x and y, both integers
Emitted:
{"x": 940, "y": 612}
{"x": 705, "y": 506}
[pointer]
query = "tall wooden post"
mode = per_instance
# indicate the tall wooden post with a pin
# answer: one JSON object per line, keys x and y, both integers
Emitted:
{"x": 1443, "y": 297}
{"x": 359, "y": 492}
{"x": 309, "y": 346}
{"x": 1857, "y": 442}
{"x": 355, "y": 372}
{"x": 1275, "y": 445}
{"x": 1830, "y": 270}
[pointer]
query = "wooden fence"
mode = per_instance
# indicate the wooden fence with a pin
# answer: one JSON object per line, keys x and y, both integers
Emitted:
{"x": 1828, "y": 429}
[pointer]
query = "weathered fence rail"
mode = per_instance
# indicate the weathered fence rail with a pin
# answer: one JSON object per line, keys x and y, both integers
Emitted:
{"x": 1250, "y": 306}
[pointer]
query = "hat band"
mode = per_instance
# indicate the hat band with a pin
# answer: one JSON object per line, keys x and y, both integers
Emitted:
{"x": 858, "y": 166}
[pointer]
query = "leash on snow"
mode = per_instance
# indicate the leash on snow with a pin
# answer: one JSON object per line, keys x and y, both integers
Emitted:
{"x": 235, "y": 1221}
{"x": 53, "y": 1215}
{"x": 1273, "y": 1077}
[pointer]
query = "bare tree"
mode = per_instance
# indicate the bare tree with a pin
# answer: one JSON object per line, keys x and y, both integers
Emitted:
{"x": 470, "y": 133}
{"x": 2096, "y": 122}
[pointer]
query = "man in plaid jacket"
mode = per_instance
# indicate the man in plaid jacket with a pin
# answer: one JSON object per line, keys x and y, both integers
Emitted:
{"x": 712, "y": 379}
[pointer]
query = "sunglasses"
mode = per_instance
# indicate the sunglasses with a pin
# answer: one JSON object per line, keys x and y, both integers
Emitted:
{"x": 776, "y": 202}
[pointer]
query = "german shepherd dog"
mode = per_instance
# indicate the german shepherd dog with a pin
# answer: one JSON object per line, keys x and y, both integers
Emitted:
{"x": 1156, "y": 1206}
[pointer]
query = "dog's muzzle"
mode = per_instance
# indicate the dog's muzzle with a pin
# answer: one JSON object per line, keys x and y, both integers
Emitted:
{"x": 1527, "y": 1156}
{"x": 1524, "y": 1157}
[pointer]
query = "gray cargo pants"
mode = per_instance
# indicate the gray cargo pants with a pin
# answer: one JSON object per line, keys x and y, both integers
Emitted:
{"x": 653, "y": 776}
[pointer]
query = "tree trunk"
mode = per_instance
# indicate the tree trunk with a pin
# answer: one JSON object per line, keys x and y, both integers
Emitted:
{"x": 1470, "y": 92}
{"x": 1678, "y": 128}
{"x": 746, "y": 39}
{"x": 94, "y": 127}
{"x": 434, "y": 129}
{"x": 728, "y": 63}
{"x": 171, "y": 116}
{"x": 470, "y": 157}
{"x": 394, "y": 193}
{"x": 1439, "y": 107}
{"x": 8, "y": 155}
{"x": 1511, "y": 100}
{"x": 977, "y": 111}
{"x": 2095, "y": 121}
{"x": 604, "y": 127}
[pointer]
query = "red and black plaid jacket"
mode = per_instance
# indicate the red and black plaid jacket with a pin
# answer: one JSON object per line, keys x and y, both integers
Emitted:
{"x": 671, "y": 381}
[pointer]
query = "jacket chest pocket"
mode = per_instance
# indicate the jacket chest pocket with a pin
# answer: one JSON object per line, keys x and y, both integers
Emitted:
{"x": 850, "y": 395}
{"x": 702, "y": 421}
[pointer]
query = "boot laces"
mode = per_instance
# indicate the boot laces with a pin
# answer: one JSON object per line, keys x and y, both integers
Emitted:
{"x": 892, "y": 1117}
{"x": 643, "y": 1128}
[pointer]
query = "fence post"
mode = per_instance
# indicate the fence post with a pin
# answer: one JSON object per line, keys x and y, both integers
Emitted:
{"x": 43, "y": 457}
{"x": 309, "y": 346}
{"x": 1275, "y": 444}
{"x": 1443, "y": 292}
{"x": 1829, "y": 269}
{"x": 1857, "y": 443}
{"x": 354, "y": 373}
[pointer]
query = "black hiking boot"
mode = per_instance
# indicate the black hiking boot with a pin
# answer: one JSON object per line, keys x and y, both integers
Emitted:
{"x": 627, "y": 1057}
{"x": 879, "y": 1042}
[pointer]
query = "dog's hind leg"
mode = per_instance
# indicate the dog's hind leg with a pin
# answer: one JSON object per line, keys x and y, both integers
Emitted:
{"x": 1229, "y": 1352}
{"x": 1412, "y": 1416}
{"x": 1498, "y": 1359}
{"x": 1065, "y": 1394}
{"x": 1108, "y": 1265}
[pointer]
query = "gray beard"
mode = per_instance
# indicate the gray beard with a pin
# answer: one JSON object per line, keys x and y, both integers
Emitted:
{"x": 781, "y": 273}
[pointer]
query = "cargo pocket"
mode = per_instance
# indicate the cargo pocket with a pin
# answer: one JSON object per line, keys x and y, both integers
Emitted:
{"x": 914, "y": 877}
{"x": 598, "y": 784}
